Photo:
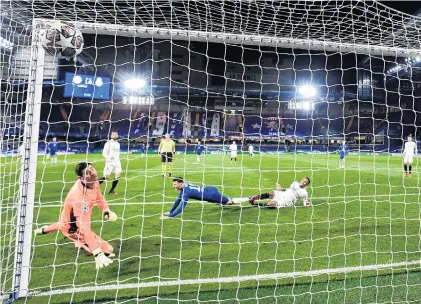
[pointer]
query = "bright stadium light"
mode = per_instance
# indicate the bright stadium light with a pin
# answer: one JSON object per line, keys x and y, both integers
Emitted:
{"x": 307, "y": 91}
{"x": 134, "y": 84}
{"x": 418, "y": 59}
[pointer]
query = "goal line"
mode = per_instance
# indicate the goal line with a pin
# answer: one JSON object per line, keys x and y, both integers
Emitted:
{"x": 235, "y": 279}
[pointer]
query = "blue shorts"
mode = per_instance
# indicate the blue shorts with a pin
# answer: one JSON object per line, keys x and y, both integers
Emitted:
{"x": 52, "y": 153}
{"x": 342, "y": 155}
{"x": 199, "y": 153}
{"x": 212, "y": 195}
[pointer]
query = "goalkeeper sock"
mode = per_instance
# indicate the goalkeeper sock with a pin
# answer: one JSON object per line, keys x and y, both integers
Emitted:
{"x": 51, "y": 228}
{"x": 410, "y": 169}
{"x": 261, "y": 196}
{"x": 163, "y": 168}
{"x": 115, "y": 182}
{"x": 405, "y": 168}
{"x": 101, "y": 180}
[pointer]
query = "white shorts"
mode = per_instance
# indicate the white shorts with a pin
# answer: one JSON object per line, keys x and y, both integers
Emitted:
{"x": 408, "y": 159}
{"x": 233, "y": 154}
{"x": 112, "y": 167}
{"x": 281, "y": 200}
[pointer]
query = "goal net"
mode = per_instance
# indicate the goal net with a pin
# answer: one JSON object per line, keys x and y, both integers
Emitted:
{"x": 297, "y": 85}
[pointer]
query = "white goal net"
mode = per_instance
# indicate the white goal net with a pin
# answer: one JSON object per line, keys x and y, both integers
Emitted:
{"x": 253, "y": 94}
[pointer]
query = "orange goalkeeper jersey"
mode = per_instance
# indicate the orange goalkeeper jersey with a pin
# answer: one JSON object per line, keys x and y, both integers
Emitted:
{"x": 77, "y": 210}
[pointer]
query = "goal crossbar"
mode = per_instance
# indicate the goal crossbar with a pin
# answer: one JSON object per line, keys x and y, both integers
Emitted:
{"x": 242, "y": 39}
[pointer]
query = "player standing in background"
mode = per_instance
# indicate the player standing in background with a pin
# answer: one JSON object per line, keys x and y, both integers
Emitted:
{"x": 52, "y": 150}
{"x": 208, "y": 194}
{"x": 233, "y": 149}
{"x": 408, "y": 154}
{"x": 111, "y": 154}
{"x": 198, "y": 148}
{"x": 251, "y": 150}
{"x": 21, "y": 151}
{"x": 75, "y": 219}
{"x": 47, "y": 151}
{"x": 343, "y": 152}
{"x": 166, "y": 150}
{"x": 284, "y": 197}
{"x": 142, "y": 150}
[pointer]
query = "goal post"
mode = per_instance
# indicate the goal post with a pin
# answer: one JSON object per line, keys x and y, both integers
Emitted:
{"x": 29, "y": 159}
{"x": 384, "y": 41}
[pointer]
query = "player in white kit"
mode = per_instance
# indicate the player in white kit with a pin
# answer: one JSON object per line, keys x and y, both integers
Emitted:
{"x": 284, "y": 197}
{"x": 251, "y": 151}
{"x": 408, "y": 155}
{"x": 111, "y": 154}
{"x": 233, "y": 149}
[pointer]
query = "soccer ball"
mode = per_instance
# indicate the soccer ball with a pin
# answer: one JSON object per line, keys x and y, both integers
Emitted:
{"x": 62, "y": 40}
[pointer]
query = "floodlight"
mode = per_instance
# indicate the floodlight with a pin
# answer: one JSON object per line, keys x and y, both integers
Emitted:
{"x": 307, "y": 91}
{"x": 134, "y": 84}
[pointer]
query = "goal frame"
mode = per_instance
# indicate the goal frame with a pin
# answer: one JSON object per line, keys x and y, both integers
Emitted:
{"x": 242, "y": 39}
{"x": 26, "y": 199}
{"x": 27, "y": 180}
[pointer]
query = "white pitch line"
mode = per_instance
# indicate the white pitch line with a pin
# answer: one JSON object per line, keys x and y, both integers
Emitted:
{"x": 260, "y": 277}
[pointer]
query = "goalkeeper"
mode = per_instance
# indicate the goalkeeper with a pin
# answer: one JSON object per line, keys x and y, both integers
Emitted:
{"x": 284, "y": 197}
{"x": 208, "y": 194}
{"x": 75, "y": 219}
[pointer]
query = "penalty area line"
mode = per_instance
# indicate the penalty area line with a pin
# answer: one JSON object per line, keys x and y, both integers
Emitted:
{"x": 260, "y": 277}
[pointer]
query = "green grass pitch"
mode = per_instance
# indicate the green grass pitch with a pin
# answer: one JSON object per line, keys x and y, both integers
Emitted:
{"x": 367, "y": 214}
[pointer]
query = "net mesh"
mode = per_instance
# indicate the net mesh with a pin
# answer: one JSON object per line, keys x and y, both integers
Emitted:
{"x": 292, "y": 80}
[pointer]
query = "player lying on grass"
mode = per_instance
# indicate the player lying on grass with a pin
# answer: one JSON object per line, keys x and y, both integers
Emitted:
{"x": 75, "y": 218}
{"x": 208, "y": 194}
{"x": 284, "y": 197}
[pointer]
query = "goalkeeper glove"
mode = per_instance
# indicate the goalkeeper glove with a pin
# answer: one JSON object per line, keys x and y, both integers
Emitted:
{"x": 110, "y": 216}
{"x": 101, "y": 260}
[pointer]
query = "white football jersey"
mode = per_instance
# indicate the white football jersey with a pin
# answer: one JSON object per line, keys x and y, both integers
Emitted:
{"x": 410, "y": 148}
{"x": 290, "y": 196}
{"x": 111, "y": 150}
{"x": 21, "y": 151}
{"x": 233, "y": 147}
{"x": 251, "y": 148}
